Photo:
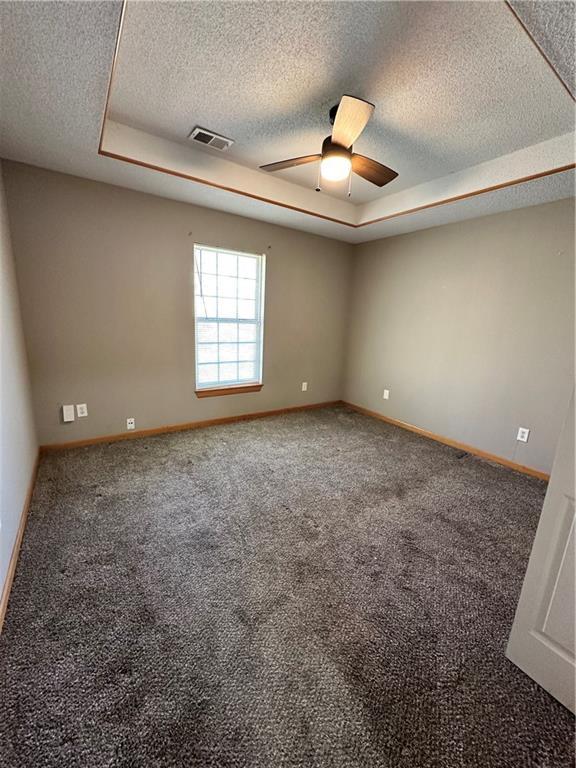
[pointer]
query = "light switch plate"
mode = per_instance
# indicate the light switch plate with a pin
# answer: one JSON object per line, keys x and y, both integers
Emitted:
{"x": 304, "y": 386}
{"x": 82, "y": 410}
{"x": 67, "y": 413}
{"x": 386, "y": 394}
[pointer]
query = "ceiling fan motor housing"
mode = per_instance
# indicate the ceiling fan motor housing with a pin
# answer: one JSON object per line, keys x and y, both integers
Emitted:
{"x": 330, "y": 148}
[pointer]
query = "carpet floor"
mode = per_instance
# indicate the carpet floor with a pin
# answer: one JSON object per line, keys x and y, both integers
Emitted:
{"x": 315, "y": 590}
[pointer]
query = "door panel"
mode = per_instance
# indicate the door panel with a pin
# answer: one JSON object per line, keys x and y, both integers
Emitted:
{"x": 558, "y": 622}
{"x": 542, "y": 638}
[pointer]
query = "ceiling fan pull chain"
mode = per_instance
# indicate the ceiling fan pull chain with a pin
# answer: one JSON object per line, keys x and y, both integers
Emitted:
{"x": 318, "y": 187}
{"x": 349, "y": 183}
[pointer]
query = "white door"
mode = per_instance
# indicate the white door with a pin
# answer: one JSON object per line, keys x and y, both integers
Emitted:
{"x": 542, "y": 638}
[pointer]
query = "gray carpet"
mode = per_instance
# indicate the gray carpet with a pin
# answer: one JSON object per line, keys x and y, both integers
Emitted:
{"x": 313, "y": 590}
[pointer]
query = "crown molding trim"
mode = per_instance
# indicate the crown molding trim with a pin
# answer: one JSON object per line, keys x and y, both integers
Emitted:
{"x": 540, "y": 49}
{"x": 215, "y": 185}
{"x": 473, "y": 193}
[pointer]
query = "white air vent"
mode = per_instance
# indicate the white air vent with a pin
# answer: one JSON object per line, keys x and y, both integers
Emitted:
{"x": 210, "y": 139}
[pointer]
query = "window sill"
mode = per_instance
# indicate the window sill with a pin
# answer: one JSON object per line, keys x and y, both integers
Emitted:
{"x": 234, "y": 390}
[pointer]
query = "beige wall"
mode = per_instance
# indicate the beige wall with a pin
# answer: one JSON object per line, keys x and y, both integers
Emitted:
{"x": 469, "y": 325}
{"x": 18, "y": 447}
{"x": 106, "y": 284}
{"x": 471, "y": 328}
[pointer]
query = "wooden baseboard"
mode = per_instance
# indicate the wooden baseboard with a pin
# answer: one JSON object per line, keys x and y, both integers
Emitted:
{"x": 185, "y": 426}
{"x": 292, "y": 409}
{"x": 17, "y": 544}
{"x": 453, "y": 443}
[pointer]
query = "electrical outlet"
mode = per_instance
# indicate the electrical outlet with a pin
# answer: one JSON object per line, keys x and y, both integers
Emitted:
{"x": 304, "y": 386}
{"x": 67, "y": 413}
{"x": 82, "y": 410}
{"x": 523, "y": 434}
{"x": 386, "y": 394}
{"x": 130, "y": 423}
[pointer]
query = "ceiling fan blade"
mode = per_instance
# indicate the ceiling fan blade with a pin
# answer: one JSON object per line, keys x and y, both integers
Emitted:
{"x": 372, "y": 171}
{"x": 290, "y": 163}
{"x": 351, "y": 118}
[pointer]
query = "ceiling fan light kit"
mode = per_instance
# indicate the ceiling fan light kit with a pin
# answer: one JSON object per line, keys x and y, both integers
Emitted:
{"x": 337, "y": 161}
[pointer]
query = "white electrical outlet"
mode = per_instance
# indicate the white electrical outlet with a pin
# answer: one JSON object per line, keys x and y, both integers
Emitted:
{"x": 130, "y": 423}
{"x": 523, "y": 434}
{"x": 304, "y": 386}
{"x": 386, "y": 394}
{"x": 67, "y": 413}
{"x": 82, "y": 410}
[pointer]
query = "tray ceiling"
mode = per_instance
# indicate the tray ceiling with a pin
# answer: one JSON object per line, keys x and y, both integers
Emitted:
{"x": 455, "y": 84}
{"x": 460, "y": 90}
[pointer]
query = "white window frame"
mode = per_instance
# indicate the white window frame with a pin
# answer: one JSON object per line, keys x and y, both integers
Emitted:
{"x": 230, "y": 387}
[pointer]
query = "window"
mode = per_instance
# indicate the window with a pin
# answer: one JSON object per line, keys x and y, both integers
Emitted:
{"x": 228, "y": 309}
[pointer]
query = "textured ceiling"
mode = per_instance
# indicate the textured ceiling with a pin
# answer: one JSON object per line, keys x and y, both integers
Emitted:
{"x": 553, "y": 27}
{"x": 454, "y": 84}
{"x": 55, "y": 60}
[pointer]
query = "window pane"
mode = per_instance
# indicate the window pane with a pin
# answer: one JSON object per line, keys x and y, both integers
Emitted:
{"x": 207, "y": 374}
{"x": 227, "y": 286}
{"x": 205, "y": 307}
{"x": 228, "y": 352}
{"x": 207, "y": 332}
{"x": 227, "y": 264}
{"x": 228, "y": 317}
{"x": 247, "y": 289}
{"x": 209, "y": 285}
{"x": 226, "y": 307}
{"x": 246, "y": 309}
{"x": 247, "y": 266}
{"x": 246, "y": 371}
{"x": 247, "y": 331}
{"x": 207, "y": 353}
{"x": 228, "y": 372}
{"x": 208, "y": 263}
{"x": 246, "y": 351}
{"x": 228, "y": 332}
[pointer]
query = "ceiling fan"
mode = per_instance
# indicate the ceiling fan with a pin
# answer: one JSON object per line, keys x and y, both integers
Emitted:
{"x": 337, "y": 160}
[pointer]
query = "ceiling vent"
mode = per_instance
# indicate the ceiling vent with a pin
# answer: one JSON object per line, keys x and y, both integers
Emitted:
{"x": 210, "y": 139}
